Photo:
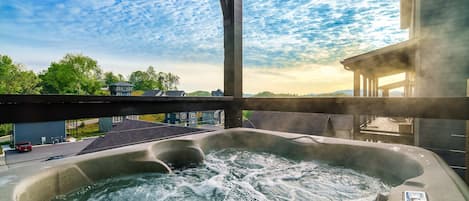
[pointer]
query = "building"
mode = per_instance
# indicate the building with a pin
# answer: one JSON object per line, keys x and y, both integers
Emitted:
{"x": 40, "y": 132}
{"x": 180, "y": 118}
{"x": 121, "y": 89}
{"x": 217, "y": 92}
{"x": 435, "y": 63}
{"x": 213, "y": 117}
{"x": 116, "y": 89}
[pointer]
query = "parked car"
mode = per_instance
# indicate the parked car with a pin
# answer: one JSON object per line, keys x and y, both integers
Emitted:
{"x": 23, "y": 146}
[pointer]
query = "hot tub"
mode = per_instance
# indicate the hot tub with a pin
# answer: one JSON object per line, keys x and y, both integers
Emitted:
{"x": 412, "y": 169}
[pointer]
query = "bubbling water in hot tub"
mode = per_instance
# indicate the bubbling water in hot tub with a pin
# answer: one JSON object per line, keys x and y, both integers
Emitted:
{"x": 235, "y": 174}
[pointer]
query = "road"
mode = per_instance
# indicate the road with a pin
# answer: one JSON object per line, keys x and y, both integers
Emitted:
{"x": 43, "y": 152}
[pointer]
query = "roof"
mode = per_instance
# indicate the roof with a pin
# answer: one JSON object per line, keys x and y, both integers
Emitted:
{"x": 175, "y": 93}
{"x": 395, "y": 85}
{"x": 153, "y": 93}
{"x": 129, "y": 124}
{"x": 122, "y": 84}
{"x": 296, "y": 122}
{"x": 134, "y": 132}
{"x": 385, "y": 61}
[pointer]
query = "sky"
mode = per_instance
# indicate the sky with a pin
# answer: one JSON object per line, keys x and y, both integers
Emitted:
{"x": 289, "y": 46}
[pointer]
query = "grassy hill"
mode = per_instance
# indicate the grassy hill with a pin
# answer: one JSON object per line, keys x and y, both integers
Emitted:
{"x": 199, "y": 93}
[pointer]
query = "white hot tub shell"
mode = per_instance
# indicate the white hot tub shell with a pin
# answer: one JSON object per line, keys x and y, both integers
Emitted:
{"x": 414, "y": 169}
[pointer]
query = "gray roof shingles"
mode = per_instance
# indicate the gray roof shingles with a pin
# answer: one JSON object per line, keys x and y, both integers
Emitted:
{"x": 153, "y": 93}
{"x": 133, "y": 132}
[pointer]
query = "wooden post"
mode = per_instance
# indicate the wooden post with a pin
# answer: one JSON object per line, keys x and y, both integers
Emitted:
{"x": 376, "y": 87}
{"x": 370, "y": 91}
{"x": 407, "y": 85}
{"x": 356, "y": 93}
{"x": 369, "y": 86}
{"x": 385, "y": 92}
{"x": 411, "y": 81}
{"x": 365, "y": 92}
{"x": 356, "y": 83}
{"x": 233, "y": 68}
{"x": 365, "y": 88}
{"x": 467, "y": 139}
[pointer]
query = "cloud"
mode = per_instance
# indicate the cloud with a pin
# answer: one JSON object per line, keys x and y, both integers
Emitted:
{"x": 279, "y": 37}
{"x": 304, "y": 31}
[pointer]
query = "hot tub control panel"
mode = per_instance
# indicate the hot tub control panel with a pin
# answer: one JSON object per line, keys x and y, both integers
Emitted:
{"x": 415, "y": 196}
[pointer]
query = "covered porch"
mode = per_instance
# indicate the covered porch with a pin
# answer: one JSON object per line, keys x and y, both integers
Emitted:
{"x": 368, "y": 68}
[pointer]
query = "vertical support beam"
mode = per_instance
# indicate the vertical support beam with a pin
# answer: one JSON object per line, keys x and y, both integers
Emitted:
{"x": 374, "y": 92}
{"x": 376, "y": 87}
{"x": 407, "y": 85}
{"x": 365, "y": 93}
{"x": 356, "y": 83}
{"x": 233, "y": 68}
{"x": 411, "y": 81}
{"x": 386, "y": 92}
{"x": 356, "y": 93}
{"x": 369, "y": 86}
{"x": 365, "y": 88}
{"x": 467, "y": 139}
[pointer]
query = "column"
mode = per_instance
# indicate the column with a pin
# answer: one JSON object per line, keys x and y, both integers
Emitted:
{"x": 376, "y": 87}
{"x": 356, "y": 93}
{"x": 369, "y": 86}
{"x": 356, "y": 83}
{"x": 467, "y": 139}
{"x": 407, "y": 85}
{"x": 365, "y": 89}
{"x": 233, "y": 66}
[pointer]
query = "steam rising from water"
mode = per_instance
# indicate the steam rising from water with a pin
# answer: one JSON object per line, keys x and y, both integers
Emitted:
{"x": 232, "y": 174}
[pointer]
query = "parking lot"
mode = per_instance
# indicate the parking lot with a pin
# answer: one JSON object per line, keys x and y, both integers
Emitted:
{"x": 44, "y": 152}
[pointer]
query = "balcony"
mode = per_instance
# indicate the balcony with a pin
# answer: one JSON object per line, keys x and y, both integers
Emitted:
{"x": 38, "y": 108}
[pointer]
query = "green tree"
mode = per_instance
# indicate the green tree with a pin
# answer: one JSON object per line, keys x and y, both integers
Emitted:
{"x": 15, "y": 80}
{"x": 170, "y": 81}
{"x": 145, "y": 80}
{"x": 74, "y": 74}
{"x": 150, "y": 80}
{"x": 110, "y": 78}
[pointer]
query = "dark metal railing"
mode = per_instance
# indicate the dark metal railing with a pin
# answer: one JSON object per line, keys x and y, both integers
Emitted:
{"x": 34, "y": 108}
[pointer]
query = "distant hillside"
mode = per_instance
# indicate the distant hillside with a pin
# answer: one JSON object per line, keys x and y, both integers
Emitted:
{"x": 339, "y": 93}
{"x": 271, "y": 94}
{"x": 349, "y": 92}
{"x": 199, "y": 93}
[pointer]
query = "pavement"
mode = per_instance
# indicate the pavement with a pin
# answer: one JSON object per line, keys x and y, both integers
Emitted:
{"x": 2, "y": 157}
{"x": 41, "y": 153}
